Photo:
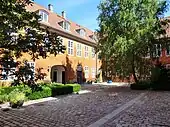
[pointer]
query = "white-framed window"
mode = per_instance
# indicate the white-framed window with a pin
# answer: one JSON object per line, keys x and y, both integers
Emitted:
{"x": 168, "y": 50}
{"x": 157, "y": 50}
{"x": 86, "y": 51}
{"x": 79, "y": 49}
{"x": 86, "y": 71}
{"x": 93, "y": 52}
{"x": 70, "y": 48}
{"x": 44, "y": 16}
{"x": 93, "y": 72}
{"x": 82, "y": 32}
{"x": 8, "y": 73}
{"x": 65, "y": 25}
{"x": 32, "y": 67}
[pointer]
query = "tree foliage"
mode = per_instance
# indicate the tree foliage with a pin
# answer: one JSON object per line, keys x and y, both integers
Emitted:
{"x": 127, "y": 28}
{"x": 21, "y": 32}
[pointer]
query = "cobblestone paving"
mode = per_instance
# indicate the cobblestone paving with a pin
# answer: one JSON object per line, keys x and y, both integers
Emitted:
{"x": 70, "y": 111}
{"x": 152, "y": 111}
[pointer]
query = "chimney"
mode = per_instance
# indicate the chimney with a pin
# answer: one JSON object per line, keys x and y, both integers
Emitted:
{"x": 63, "y": 14}
{"x": 50, "y": 7}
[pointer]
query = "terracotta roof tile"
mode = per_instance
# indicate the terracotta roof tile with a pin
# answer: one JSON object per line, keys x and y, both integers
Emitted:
{"x": 54, "y": 19}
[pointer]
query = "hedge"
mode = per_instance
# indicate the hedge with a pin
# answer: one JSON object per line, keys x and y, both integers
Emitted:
{"x": 44, "y": 92}
{"x": 142, "y": 85}
{"x": 40, "y": 91}
{"x": 6, "y": 90}
{"x": 76, "y": 87}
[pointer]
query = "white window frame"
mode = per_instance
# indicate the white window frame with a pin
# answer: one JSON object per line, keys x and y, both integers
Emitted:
{"x": 93, "y": 72}
{"x": 82, "y": 32}
{"x": 93, "y": 55}
{"x": 9, "y": 78}
{"x": 156, "y": 50}
{"x": 66, "y": 26}
{"x": 43, "y": 14}
{"x": 86, "y": 51}
{"x": 32, "y": 65}
{"x": 79, "y": 50}
{"x": 86, "y": 72}
{"x": 62, "y": 42}
{"x": 70, "y": 48}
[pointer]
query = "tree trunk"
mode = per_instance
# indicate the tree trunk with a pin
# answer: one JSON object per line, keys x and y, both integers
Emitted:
{"x": 133, "y": 73}
{"x": 133, "y": 70}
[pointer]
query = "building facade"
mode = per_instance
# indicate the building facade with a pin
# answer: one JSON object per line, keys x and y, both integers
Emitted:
{"x": 79, "y": 63}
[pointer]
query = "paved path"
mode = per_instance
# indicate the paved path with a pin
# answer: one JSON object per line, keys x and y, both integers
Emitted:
{"x": 123, "y": 106}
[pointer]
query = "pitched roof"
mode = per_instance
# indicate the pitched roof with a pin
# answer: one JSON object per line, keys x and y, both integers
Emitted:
{"x": 53, "y": 22}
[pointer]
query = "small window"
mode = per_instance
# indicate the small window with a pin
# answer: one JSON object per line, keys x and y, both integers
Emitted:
{"x": 93, "y": 53}
{"x": 92, "y": 37}
{"x": 44, "y": 16}
{"x": 86, "y": 70}
{"x": 32, "y": 68}
{"x": 70, "y": 48}
{"x": 157, "y": 50}
{"x": 8, "y": 73}
{"x": 86, "y": 51}
{"x": 79, "y": 49}
{"x": 65, "y": 25}
{"x": 93, "y": 71}
{"x": 82, "y": 32}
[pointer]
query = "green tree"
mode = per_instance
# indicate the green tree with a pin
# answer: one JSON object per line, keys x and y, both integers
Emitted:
{"x": 127, "y": 28}
{"x": 21, "y": 32}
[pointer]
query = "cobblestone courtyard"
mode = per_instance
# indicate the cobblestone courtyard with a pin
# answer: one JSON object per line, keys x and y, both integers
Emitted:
{"x": 152, "y": 109}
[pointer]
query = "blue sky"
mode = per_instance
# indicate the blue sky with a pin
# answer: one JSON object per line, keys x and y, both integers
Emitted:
{"x": 83, "y": 12}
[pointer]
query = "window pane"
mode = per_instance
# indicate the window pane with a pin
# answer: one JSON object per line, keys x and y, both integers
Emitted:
{"x": 71, "y": 51}
{"x": 71, "y": 44}
{"x": 68, "y": 50}
{"x": 45, "y": 17}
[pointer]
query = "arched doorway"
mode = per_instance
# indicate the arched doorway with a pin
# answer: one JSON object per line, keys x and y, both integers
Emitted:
{"x": 79, "y": 74}
{"x": 58, "y": 74}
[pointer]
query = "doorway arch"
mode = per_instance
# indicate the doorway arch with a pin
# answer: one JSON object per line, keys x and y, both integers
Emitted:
{"x": 58, "y": 74}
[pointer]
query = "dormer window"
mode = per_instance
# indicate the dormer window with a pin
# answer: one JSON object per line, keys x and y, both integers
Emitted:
{"x": 44, "y": 16}
{"x": 82, "y": 32}
{"x": 93, "y": 37}
{"x": 65, "y": 25}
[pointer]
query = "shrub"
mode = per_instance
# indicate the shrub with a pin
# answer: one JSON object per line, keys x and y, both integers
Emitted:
{"x": 61, "y": 89}
{"x": 160, "y": 79}
{"x": 43, "y": 92}
{"x": 25, "y": 89}
{"x": 3, "y": 98}
{"x": 76, "y": 87}
{"x": 16, "y": 96}
{"x": 142, "y": 85}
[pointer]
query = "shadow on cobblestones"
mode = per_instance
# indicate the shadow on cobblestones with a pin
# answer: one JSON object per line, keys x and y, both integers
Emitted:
{"x": 70, "y": 111}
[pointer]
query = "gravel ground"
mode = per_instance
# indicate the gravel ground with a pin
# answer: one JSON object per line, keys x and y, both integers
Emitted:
{"x": 151, "y": 111}
{"x": 70, "y": 111}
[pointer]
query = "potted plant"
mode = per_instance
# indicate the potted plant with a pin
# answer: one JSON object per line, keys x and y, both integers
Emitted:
{"x": 16, "y": 98}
